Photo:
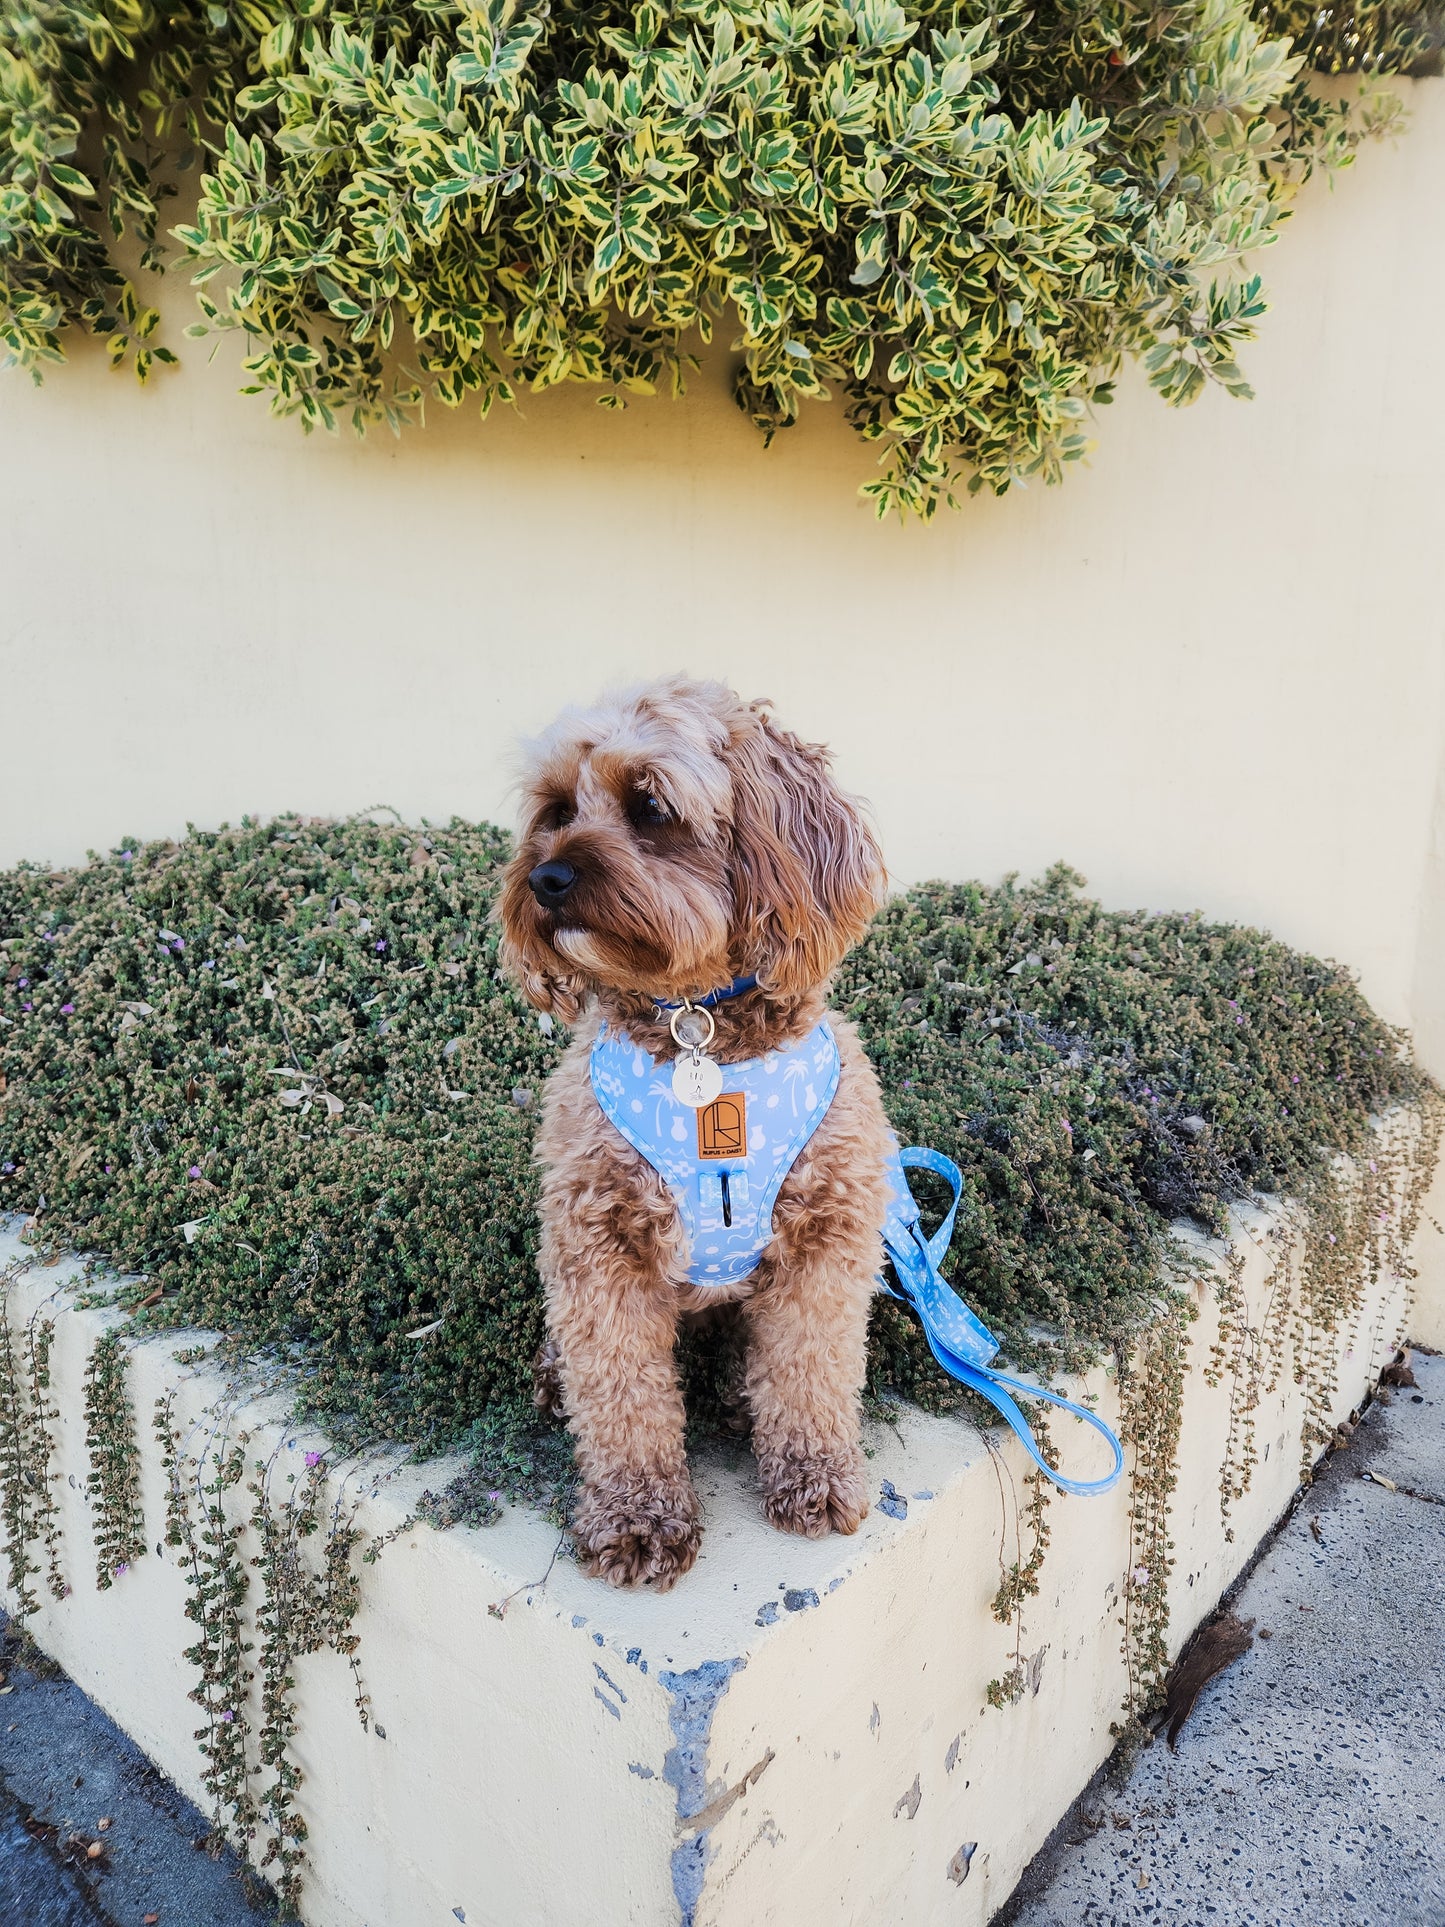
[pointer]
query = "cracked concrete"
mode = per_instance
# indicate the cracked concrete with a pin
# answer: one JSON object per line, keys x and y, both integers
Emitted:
{"x": 1309, "y": 1784}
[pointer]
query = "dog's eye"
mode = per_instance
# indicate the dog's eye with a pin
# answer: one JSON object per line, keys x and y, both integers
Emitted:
{"x": 559, "y": 814}
{"x": 645, "y": 809}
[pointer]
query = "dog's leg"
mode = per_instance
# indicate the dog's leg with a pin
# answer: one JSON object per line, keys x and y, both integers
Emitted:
{"x": 808, "y": 1326}
{"x": 637, "y": 1521}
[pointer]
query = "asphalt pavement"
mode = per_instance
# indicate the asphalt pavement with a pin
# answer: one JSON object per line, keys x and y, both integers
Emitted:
{"x": 64, "y": 1769}
{"x": 1308, "y": 1788}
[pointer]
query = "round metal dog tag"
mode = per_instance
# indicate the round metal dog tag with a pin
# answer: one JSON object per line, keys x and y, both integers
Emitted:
{"x": 696, "y": 1081}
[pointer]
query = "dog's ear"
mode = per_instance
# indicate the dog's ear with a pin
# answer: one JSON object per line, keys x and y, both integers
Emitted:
{"x": 808, "y": 873}
{"x": 558, "y": 993}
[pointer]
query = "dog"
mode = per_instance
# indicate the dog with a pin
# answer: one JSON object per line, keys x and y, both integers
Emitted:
{"x": 675, "y": 840}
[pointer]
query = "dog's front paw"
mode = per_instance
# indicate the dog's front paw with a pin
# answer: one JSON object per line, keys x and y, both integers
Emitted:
{"x": 814, "y": 1494}
{"x": 637, "y": 1531}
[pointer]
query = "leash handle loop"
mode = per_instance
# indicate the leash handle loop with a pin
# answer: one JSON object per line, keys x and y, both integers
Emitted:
{"x": 958, "y": 1338}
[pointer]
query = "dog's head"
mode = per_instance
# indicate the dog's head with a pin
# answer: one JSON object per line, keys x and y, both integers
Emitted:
{"x": 674, "y": 837}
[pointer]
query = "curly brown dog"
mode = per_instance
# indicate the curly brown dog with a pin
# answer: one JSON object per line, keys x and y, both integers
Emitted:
{"x": 683, "y": 840}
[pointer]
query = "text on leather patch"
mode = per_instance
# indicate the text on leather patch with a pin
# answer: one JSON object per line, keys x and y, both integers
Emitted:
{"x": 722, "y": 1127}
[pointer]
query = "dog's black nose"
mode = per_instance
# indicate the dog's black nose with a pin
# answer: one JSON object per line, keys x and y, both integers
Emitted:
{"x": 551, "y": 882}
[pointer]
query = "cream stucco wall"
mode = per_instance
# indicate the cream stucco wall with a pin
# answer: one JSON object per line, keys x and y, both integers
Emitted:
{"x": 1208, "y": 671}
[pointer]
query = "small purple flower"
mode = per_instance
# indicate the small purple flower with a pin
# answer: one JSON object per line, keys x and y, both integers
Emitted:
{"x": 494, "y": 1496}
{"x": 209, "y": 964}
{"x": 1232, "y": 1004}
{"x": 382, "y": 945}
{"x": 228, "y": 1716}
{"x": 1295, "y": 1078}
{"x": 108, "y": 1169}
{"x": 6, "y": 1169}
{"x": 179, "y": 945}
{"x": 194, "y": 1172}
{"x": 23, "y": 984}
{"x": 67, "y": 1010}
{"x": 27, "y": 1006}
{"x": 121, "y": 1569}
{"x": 1067, "y": 1126}
{"x": 312, "y": 1458}
{"x": 47, "y": 936}
{"x": 126, "y": 855}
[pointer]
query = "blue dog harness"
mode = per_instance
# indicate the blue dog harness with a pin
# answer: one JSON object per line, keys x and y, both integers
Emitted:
{"x": 725, "y": 1165}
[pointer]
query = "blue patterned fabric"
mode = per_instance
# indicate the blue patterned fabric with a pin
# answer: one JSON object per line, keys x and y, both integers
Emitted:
{"x": 787, "y": 1092}
{"x": 726, "y": 1205}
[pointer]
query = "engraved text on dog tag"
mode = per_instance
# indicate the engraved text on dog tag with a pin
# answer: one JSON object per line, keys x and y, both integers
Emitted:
{"x": 696, "y": 1080}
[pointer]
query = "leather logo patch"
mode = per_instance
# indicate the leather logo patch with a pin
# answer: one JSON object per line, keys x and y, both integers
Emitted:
{"x": 722, "y": 1127}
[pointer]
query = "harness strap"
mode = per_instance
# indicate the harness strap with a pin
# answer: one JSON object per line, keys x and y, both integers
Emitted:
{"x": 958, "y": 1339}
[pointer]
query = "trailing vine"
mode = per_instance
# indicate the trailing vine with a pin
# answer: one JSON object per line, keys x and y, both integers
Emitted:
{"x": 301, "y": 1611}
{"x": 216, "y": 1576}
{"x": 39, "y": 1451}
{"x": 17, "y": 1499}
{"x": 1021, "y": 1577}
{"x": 1151, "y": 1398}
{"x": 251, "y": 1636}
{"x": 118, "y": 1518}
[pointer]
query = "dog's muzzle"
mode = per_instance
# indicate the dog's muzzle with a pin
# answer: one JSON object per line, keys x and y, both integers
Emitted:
{"x": 551, "y": 883}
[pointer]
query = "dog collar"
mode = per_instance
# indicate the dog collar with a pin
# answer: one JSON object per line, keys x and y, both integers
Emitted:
{"x": 737, "y": 988}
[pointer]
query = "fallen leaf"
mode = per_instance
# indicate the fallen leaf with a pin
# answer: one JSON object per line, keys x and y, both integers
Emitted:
{"x": 1266, "y": 1632}
{"x": 1315, "y": 1533}
{"x": 150, "y": 1920}
{"x": 1380, "y": 1479}
{"x": 1398, "y": 1372}
{"x": 101, "y": 1825}
{"x": 191, "y": 1228}
{"x": 1143, "y": 1878}
{"x": 94, "y": 1850}
{"x": 154, "y": 1299}
{"x": 193, "y": 1090}
{"x": 425, "y": 1331}
{"x": 1221, "y": 1642}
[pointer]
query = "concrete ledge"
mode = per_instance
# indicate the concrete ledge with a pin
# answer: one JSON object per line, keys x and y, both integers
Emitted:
{"x": 798, "y": 1733}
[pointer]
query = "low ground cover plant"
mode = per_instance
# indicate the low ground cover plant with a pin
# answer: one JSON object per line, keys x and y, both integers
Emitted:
{"x": 961, "y": 218}
{"x": 274, "y": 1072}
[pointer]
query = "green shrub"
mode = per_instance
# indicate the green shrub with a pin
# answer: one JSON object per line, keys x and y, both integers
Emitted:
{"x": 959, "y": 217}
{"x": 274, "y": 1070}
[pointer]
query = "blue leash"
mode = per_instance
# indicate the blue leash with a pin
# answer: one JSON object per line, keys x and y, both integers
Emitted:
{"x": 960, "y": 1341}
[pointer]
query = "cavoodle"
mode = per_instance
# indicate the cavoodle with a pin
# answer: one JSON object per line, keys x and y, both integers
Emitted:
{"x": 677, "y": 844}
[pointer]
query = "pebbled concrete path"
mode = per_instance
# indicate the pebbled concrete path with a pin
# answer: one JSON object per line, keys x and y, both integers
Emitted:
{"x": 1309, "y": 1785}
{"x": 63, "y": 1768}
